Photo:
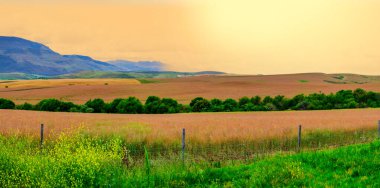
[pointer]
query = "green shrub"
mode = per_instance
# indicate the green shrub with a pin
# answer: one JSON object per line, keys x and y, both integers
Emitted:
{"x": 168, "y": 105}
{"x": 98, "y": 105}
{"x": 25, "y": 106}
{"x": 111, "y": 108}
{"x": 152, "y": 104}
{"x": 130, "y": 106}
{"x": 230, "y": 105}
{"x": 216, "y": 105}
{"x": 192, "y": 103}
{"x": 52, "y": 105}
{"x": 202, "y": 105}
{"x": 344, "y": 99}
{"x": 6, "y": 104}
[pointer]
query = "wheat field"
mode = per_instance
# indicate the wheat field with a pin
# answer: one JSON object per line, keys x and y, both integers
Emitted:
{"x": 200, "y": 127}
{"x": 184, "y": 89}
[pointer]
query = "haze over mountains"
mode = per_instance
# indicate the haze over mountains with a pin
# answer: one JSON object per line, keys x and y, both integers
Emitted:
{"x": 24, "y": 56}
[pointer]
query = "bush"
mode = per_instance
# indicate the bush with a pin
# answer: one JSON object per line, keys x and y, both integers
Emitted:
{"x": 98, "y": 105}
{"x": 344, "y": 99}
{"x": 202, "y": 105}
{"x": 216, "y": 105}
{"x": 6, "y": 104}
{"x": 192, "y": 103}
{"x": 256, "y": 100}
{"x": 66, "y": 106}
{"x": 74, "y": 109}
{"x": 112, "y": 107}
{"x": 230, "y": 105}
{"x": 168, "y": 105}
{"x": 25, "y": 106}
{"x": 89, "y": 110}
{"x": 152, "y": 104}
{"x": 51, "y": 105}
{"x": 245, "y": 104}
{"x": 132, "y": 105}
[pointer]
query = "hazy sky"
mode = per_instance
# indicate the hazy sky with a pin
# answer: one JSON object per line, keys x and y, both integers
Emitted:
{"x": 240, "y": 36}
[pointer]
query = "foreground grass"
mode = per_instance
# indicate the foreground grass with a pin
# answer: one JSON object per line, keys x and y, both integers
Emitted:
{"x": 82, "y": 161}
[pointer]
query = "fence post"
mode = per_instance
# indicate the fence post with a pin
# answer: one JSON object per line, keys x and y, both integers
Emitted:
{"x": 183, "y": 145}
{"x": 299, "y": 137}
{"x": 42, "y": 135}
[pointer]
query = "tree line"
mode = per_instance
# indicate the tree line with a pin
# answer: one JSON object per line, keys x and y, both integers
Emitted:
{"x": 344, "y": 99}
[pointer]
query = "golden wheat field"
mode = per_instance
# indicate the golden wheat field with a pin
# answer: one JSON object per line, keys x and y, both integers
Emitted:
{"x": 202, "y": 127}
{"x": 184, "y": 89}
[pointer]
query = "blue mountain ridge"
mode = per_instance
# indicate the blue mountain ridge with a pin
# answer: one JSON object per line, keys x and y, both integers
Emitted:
{"x": 24, "y": 56}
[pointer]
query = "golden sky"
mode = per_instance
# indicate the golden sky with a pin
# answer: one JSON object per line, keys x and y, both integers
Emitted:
{"x": 240, "y": 36}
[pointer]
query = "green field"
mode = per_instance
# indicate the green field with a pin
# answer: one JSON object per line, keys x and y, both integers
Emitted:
{"x": 80, "y": 160}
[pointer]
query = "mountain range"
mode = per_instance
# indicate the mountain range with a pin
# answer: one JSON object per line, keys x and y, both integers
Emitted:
{"x": 18, "y": 55}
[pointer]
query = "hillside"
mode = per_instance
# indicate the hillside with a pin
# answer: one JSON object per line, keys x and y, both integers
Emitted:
{"x": 186, "y": 88}
{"x": 124, "y": 65}
{"x": 19, "y": 55}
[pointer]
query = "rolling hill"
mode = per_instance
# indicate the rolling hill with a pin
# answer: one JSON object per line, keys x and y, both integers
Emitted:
{"x": 19, "y": 55}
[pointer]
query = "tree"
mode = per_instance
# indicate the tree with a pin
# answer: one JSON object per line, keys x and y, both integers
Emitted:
{"x": 298, "y": 99}
{"x": 152, "y": 104}
{"x": 230, "y": 105}
{"x": 360, "y": 96}
{"x": 171, "y": 105}
{"x": 52, "y": 105}
{"x": 112, "y": 106}
{"x": 97, "y": 104}
{"x": 25, "y": 106}
{"x": 256, "y": 100}
{"x": 267, "y": 100}
{"x": 243, "y": 101}
{"x": 201, "y": 106}
{"x": 66, "y": 106}
{"x": 132, "y": 105}
{"x": 192, "y": 103}
{"x": 6, "y": 104}
{"x": 280, "y": 102}
{"x": 216, "y": 105}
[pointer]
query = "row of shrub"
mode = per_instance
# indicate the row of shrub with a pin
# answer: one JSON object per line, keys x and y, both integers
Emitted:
{"x": 344, "y": 99}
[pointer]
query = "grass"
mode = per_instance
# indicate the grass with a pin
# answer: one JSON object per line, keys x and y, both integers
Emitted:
{"x": 147, "y": 81}
{"x": 79, "y": 160}
{"x": 303, "y": 81}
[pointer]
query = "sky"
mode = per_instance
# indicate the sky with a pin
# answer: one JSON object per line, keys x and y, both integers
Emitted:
{"x": 240, "y": 36}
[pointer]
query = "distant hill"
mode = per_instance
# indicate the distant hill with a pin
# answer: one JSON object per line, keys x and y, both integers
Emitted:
{"x": 25, "y": 59}
{"x": 19, "y": 55}
{"x": 136, "y": 74}
{"x": 24, "y": 56}
{"x": 124, "y": 65}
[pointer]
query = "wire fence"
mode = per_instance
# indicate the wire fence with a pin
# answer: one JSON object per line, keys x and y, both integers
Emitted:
{"x": 245, "y": 150}
{"x": 256, "y": 149}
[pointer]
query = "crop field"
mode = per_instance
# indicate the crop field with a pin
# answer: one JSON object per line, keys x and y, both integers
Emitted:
{"x": 202, "y": 128}
{"x": 184, "y": 89}
{"x": 224, "y": 149}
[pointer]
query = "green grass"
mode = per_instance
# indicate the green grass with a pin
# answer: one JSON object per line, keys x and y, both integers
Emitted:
{"x": 303, "y": 81}
{"x": 147, "y": 81}
{"x": 80, "y": 160}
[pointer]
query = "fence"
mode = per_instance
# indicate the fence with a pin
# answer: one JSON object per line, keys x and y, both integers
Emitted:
{"x": 189, "y": 150}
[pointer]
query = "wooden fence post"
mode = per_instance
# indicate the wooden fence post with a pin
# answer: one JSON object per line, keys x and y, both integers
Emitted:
{"x": 42, "y": 135}
{"x": 183, "y": 145}
{"x": 299, "y": 137}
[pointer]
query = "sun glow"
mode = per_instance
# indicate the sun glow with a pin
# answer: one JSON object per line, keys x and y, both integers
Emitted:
{"x": 244, "y": 36}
